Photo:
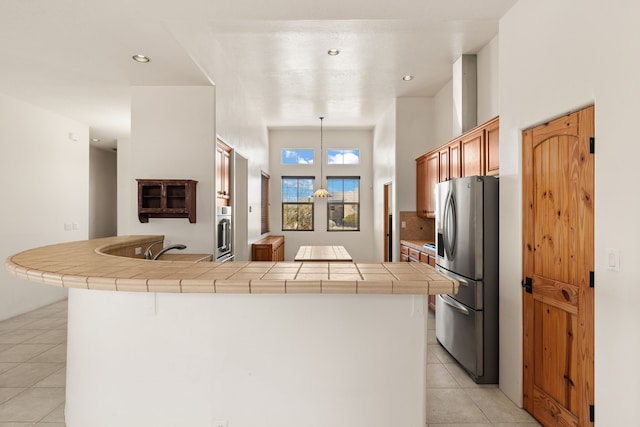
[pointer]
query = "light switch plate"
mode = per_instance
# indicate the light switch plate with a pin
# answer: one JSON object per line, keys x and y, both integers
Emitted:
{"x": 613, "y": 259}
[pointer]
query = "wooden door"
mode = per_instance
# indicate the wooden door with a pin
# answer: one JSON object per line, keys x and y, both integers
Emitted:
{"x": 558, "y": 252}
{"x": 388, "y": 224}
{"x": 472, "y": 148}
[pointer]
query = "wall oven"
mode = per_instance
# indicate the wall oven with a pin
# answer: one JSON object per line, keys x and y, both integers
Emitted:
{"x": 225, "y": 233}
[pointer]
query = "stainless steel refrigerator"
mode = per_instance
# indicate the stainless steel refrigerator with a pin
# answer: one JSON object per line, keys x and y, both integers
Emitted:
{"x": 467, "y": 250}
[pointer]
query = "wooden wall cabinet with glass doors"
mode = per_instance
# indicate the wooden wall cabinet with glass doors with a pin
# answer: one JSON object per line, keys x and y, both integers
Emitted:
{"x": 166, "y": 198}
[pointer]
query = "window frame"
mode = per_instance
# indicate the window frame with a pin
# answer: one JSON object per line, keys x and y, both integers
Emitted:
{"x": 343, "y": 203}
{"x": 309, "y": 203}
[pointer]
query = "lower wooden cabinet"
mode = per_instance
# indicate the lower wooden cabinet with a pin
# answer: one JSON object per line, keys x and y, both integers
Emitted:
{"x": 270, "y": 248}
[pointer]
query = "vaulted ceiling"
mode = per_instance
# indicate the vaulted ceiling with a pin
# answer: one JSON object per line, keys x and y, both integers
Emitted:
{"x": 75, "y": 56}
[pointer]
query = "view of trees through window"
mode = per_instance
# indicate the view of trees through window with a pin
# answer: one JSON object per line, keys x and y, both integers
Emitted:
{"x": 343, "y": 206}
{"x": 297, "y": 203}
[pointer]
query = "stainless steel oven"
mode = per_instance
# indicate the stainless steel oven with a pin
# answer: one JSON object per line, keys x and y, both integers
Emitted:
{"x": 225, "y": 233}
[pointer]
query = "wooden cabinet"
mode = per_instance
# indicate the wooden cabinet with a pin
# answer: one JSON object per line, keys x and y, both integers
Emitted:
{"x": 443, "y": 164}
{"x": 492, "y": 138}
{"x": 270, "y": 248}
{"x": 474, "y": 153}
{"x": 427, "y": 173}
{"x": 166, "y": 198}
{"x": 223, "y": 173}
{"x": 454, "y": 160}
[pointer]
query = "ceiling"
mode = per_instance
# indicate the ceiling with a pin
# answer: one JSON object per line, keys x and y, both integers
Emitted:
{"x": 74, "y": 56}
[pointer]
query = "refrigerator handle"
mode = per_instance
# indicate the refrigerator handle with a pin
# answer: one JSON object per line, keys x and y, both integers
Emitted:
{"x": 450, "y": 228}
{"x": 454, "y": 304}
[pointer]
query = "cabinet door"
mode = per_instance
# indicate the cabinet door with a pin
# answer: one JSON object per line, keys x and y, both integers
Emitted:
{"x": 472, "y": 148}
{"x": 421, "y": 186}
{"x": 454, "y": 160}
{"x": 443, "y": 173}
{"x": 433, "y": 163}
{"x": 492, "y": 142}
{"x": 427, "y": 168}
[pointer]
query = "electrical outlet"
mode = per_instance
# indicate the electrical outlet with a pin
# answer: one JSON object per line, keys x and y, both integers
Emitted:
{"x": 220, "y": 423}
{"x": 138, "y": 250}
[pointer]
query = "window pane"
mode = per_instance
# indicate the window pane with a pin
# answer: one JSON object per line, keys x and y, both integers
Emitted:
{"x": 297, "y": 189}
{"x": 297, "y": 216}
{"x": 343, "y": 206}
{"x": 344, "y": 217}
{"x": 297, "y": 156}
{"x": 343, "y": 157}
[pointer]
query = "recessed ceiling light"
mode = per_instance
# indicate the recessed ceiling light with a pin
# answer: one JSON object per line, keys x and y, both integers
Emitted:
{"x": 95, "y": 139}
{"x": 140, "y": 58}
{"x": 333, "y": 52}
{"x": 407, "y": 78}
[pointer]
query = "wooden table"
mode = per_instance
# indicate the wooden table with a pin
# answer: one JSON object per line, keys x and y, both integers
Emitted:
{"x": 323, "y": 253}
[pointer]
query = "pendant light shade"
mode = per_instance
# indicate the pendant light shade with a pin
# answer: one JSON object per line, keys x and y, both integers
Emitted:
{"x": 321, "y": 192}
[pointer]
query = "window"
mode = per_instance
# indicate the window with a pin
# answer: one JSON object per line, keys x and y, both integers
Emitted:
{"x": 297, "y": 156}
{"x": 343, "y": 157}
{"x": 343, "y": 206}
{"x": 297, "y": 203}
{"x": 264, "y": 203}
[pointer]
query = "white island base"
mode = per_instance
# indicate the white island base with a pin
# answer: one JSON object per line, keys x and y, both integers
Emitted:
{"x": 277, "y": 360}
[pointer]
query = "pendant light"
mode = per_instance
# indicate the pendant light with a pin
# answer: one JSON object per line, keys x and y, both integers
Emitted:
{"x": 321, "y": 192}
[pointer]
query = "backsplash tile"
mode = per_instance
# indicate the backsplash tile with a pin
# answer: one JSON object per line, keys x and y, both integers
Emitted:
{"x": 417, "y": 228}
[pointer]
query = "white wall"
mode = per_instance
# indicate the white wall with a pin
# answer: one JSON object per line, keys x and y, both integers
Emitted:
{"x": 46, "y": 185}
{"x": 552, "y": 63}
{"x": 488, "y": 81}
{"x": 103, "y": 206}
{"x": 358, "y": 243}
{"x": 384, "y": 172}
{"x": 414, "y": 137}
{"x": 172, "y": 137}
{"x": 443, "y": 115}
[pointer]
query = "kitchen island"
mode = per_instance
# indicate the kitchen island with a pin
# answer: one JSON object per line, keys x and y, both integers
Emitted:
{"x": 322, "y": 253}
{"x": 168, "y": 343}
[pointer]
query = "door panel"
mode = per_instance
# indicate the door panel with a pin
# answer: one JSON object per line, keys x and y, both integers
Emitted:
{"x": 558, "y": 261}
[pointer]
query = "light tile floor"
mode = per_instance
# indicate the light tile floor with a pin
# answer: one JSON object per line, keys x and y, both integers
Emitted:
{"x": 32, "y": 379}
{"x": 454, "y": 400}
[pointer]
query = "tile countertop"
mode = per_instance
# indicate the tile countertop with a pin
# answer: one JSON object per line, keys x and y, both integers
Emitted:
{"x": 86, "y": 264}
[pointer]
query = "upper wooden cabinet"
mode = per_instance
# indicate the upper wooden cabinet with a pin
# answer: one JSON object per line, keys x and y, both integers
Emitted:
{"x": 427, "y": 173}
{"x": 223, "y": 173}
{"x": 492, "y": 133}
{"x": 166, "y": 198}
{"x": 454, "y": 160}
{"x": 474, "y": 153}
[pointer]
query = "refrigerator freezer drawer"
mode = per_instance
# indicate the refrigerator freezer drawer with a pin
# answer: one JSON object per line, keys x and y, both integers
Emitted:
{"x": 459, "y": 330}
